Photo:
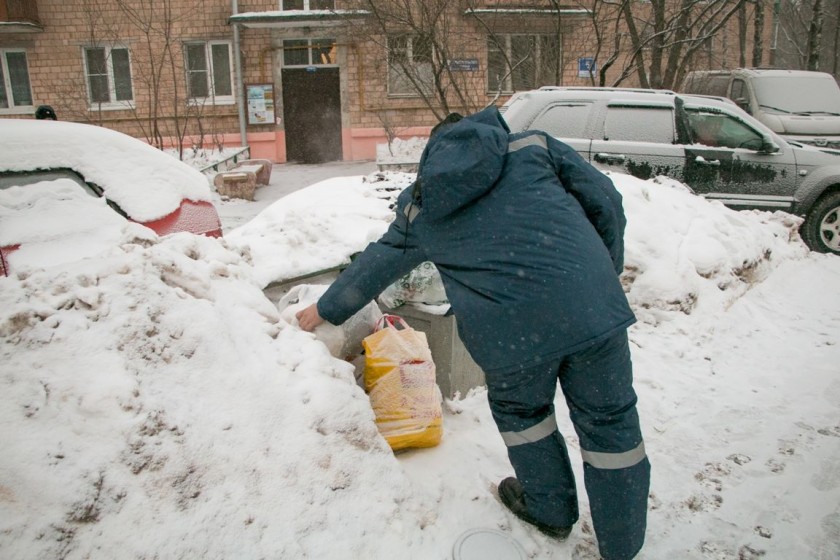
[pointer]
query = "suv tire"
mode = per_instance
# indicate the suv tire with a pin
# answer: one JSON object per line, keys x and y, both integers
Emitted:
{"x": 821, "y": 229}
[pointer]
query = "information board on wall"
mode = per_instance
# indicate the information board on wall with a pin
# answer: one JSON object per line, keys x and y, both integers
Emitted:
{"x": 587, "y": 67}
{"x": 260, "y": 103}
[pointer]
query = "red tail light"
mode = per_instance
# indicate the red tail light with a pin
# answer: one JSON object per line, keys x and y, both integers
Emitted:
{"x": 4, "y": 255}
{"x": 200, "y": 218}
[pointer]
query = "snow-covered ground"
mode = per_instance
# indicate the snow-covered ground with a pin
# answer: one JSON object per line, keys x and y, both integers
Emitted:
{"x": 155, "y": 405}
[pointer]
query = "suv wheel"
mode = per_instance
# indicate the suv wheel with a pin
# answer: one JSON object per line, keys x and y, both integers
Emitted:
{"x": 821, "y": 230}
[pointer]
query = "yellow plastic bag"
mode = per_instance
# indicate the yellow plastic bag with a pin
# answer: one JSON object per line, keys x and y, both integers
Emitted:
{"x": 400, "y": 381}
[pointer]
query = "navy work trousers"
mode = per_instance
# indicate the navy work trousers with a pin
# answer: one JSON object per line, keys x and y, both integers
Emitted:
{"x": 597, "y": 383}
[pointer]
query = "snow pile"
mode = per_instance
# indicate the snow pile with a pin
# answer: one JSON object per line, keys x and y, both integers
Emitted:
{"x": 156, "y": 389}
{"x": 319, "y": 227}
{"x": 57, "y": 222}
{"x": 401, "y": 152}
{"x": 681, "y": 249}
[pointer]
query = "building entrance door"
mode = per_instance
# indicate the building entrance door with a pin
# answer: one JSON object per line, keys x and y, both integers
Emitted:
{"x": 312, "y": 113}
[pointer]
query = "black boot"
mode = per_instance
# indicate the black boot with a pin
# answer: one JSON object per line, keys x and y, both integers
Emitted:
{"x": 512, "y": 495}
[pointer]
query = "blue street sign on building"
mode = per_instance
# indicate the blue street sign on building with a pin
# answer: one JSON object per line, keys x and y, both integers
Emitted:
{"x": 464, "y": 65}
{"x": 586, "y": 67}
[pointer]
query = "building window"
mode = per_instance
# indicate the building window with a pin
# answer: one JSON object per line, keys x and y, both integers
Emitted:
{"x": 307, "y": 5}
{"x": 522, "y": 62}
{"x": 15, "y": 92}
{"x": 108, "y": 71}
{"x": 309, "y": 52}
{"x": 209, "y": 72}
{"x": 409, "y": 65}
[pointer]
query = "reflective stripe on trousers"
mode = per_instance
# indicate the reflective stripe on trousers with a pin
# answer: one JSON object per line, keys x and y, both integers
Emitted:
{"x": 532, "y": 434}
{"x": 598, "y": 459}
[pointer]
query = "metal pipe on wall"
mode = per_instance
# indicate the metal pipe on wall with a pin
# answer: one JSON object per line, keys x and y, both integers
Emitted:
{"x": 237, "y": 67}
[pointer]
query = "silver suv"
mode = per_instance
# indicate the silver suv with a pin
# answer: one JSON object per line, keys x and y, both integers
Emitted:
{"x": 708, "y": 143}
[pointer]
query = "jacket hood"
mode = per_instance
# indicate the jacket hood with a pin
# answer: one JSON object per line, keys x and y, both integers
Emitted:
{"x": 462, "y": 162}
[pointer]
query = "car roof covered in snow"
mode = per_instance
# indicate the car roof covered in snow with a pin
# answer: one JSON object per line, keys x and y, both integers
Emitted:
{"x": 145, "y": 182}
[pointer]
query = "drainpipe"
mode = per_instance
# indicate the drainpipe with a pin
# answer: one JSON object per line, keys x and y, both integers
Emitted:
{"x": 237, "y": 69}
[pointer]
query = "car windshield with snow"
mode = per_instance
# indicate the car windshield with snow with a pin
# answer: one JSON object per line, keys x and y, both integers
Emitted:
{"x": 86, "y": 177}
{"x": 708, "y": 143}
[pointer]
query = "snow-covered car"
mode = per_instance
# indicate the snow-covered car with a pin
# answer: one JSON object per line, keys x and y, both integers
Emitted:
{"x": 708, "y": 143}
{"x": 138, "y": 182}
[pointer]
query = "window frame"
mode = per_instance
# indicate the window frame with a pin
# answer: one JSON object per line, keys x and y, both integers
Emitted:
{"x": 306, "y": 7}
{"x": 694, "y": 116}
{"x": 211, "y": 98}
{"x": 113, "y": 104}
{"x": 395, "y": 68}
{"x": 506, "y": 87}
{"x": 312, "y": 46}
{"x": 667, "y": 112}
{"x": 587, "y": 110}
{"x": 13, "y": 109}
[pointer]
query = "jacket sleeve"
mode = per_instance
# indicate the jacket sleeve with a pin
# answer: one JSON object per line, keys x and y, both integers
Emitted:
{"x": 596, "y": 194}
{"x": 383, "y": 262}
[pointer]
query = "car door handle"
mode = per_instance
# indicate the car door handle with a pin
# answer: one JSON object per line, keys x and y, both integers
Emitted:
{"x": 710, "y": 162}
{"x": 610, "y": 158}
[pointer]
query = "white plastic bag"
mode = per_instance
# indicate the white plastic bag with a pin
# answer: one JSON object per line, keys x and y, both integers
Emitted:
{"x": 343, "y": 341}
{"x": 422, "y": 285}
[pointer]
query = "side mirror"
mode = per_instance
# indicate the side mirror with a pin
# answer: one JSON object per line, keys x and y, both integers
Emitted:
{"x": 768, "y": 146}
{"x": 744, "y": 104}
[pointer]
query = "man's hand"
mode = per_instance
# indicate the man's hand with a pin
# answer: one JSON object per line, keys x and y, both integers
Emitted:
{"x": 309, "y": 318}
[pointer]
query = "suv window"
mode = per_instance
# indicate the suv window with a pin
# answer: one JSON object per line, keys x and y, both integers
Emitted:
{"x": 739, "y": 90}
{"x": 640, "y": 124}
{"x": 707, "y": 84}
{"x": 719, "y": 130}
{"x": 564, "y": 120}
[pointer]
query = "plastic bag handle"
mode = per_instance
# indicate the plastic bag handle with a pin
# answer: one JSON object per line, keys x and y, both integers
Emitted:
{"x": 393, "y": 321}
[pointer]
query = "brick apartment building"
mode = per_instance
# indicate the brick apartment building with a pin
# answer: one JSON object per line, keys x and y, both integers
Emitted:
{"x": 317, "y": 80}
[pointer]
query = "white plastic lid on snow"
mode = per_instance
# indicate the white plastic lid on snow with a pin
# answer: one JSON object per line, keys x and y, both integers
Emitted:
{"x": 487, "y": 544}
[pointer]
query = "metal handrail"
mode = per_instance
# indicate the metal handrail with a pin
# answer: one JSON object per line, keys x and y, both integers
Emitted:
{"x": 225, "y": 163}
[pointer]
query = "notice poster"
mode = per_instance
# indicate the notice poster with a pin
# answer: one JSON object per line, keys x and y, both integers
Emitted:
{"x": 260, "y": 103}
{"x": 587, "y": 67}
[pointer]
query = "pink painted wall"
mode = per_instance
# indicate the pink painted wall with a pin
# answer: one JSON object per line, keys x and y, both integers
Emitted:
{"x": 358, "y": 144}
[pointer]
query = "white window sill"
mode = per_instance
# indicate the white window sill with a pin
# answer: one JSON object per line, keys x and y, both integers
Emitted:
{"x": 122, "y": 106}
{"x": 22, "y": 110}
{"x": 212, "y": 101}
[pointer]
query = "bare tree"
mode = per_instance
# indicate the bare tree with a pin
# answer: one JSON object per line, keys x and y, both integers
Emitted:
{"x": 432, "y": 53}
{"x": 742, "y": 35}
{"x": 758, "y": 33}
{"x": 522, "y": 60}
{"x": 158, "y": 103}
{"x": 421, "y": 46}
{"x": 162, "y": 71}
{"x": 386, "y": 118}
{"x": 73, "y": 98}
{"x": 802, "y": 43}
{"x": 655, "y": 43}
{"x": 835, "y": 50}
{"x": 815, "y": 35}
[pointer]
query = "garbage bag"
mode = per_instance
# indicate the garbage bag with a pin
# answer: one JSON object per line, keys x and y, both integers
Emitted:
{"x": 422, "y": 286}
{"x": 399, "y": 378}
{"x": 343, "y": 341}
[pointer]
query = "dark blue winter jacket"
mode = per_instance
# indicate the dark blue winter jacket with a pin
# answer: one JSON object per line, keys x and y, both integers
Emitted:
{"x": 527, "y": 236}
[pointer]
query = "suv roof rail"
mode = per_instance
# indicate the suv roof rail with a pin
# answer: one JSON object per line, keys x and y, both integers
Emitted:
{"x": 615, "y": 89}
